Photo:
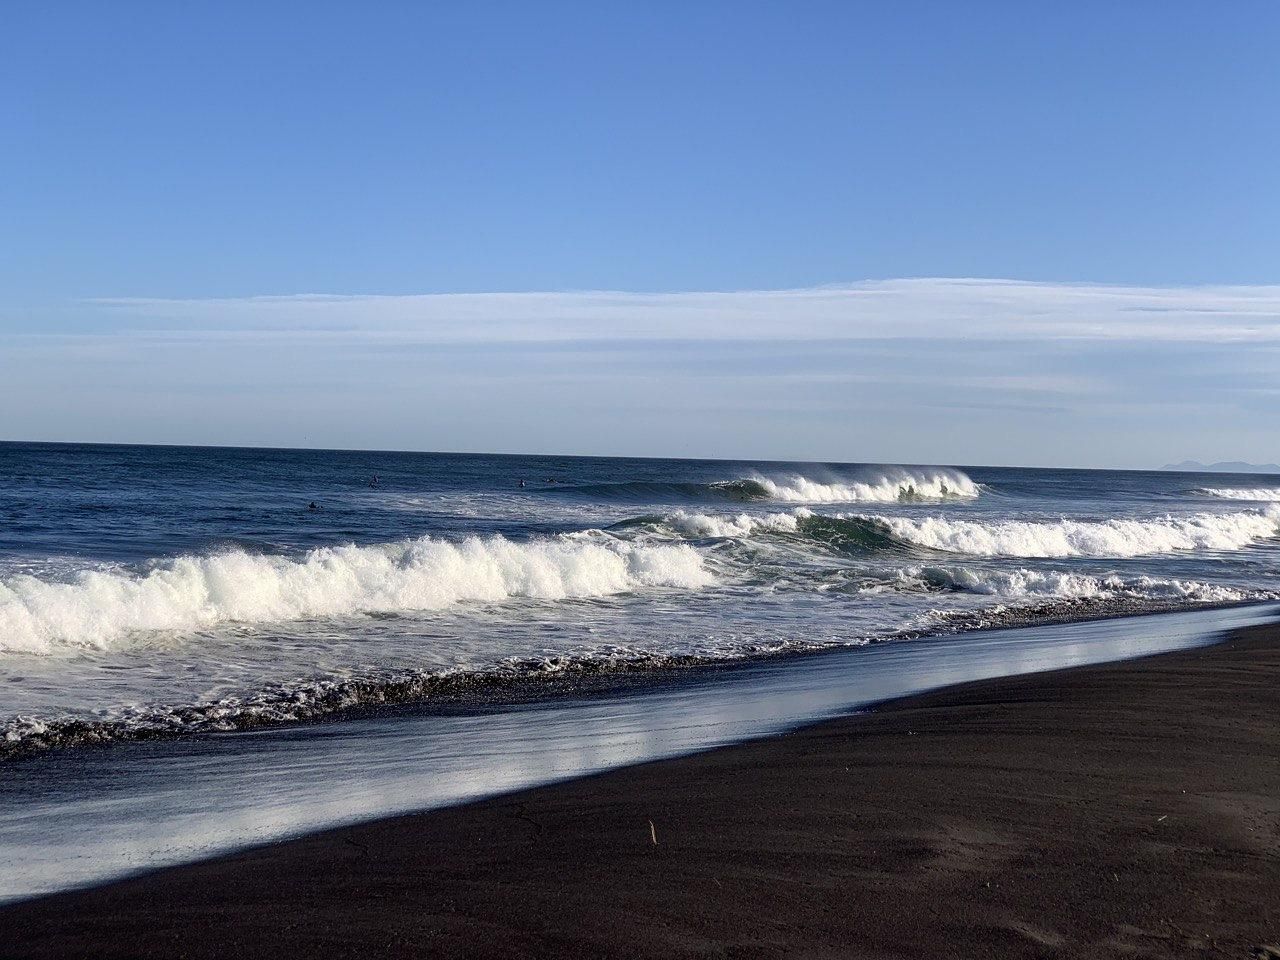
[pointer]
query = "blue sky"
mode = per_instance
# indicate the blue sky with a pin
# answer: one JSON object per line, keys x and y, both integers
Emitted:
{"x": 164, "y": 168}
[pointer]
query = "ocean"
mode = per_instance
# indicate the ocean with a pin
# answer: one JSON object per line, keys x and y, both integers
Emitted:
{"x": 169, "y": 591}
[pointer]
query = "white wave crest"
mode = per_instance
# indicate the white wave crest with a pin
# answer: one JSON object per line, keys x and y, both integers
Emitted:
{"x": 192, "y": 592}
{"x": 1087, "y": 538}
{"x": 1058, "y": 584}
{"x": 1243, "y": 493}
{"x": 702, "y": 525}
{"x": 892, "y": 485}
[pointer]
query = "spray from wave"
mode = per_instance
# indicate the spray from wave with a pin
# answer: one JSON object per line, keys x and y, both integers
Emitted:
{"x": 97, "y": 608}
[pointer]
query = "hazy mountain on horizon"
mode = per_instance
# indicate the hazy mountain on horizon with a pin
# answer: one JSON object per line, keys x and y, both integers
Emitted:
{"x": 1222, "y": 466}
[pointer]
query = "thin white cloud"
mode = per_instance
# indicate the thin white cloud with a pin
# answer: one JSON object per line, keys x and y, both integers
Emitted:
{"x": 870, "y": 310}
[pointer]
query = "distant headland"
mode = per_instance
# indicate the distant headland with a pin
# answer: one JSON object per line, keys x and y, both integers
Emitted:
{"x": 1223, "y": 466}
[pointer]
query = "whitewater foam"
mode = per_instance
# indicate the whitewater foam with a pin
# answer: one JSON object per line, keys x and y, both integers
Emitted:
{"x": 702, "y": 525}
{"x": 1060, "y": 584}
{"x": 1243, "y": 493}
{"x": 1085, "y": 538}
{"x": 96, "y": 609}
{"x": 889, "y": 486}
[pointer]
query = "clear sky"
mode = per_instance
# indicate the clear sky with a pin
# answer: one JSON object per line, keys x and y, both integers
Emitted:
{"x": 174, "y": 177}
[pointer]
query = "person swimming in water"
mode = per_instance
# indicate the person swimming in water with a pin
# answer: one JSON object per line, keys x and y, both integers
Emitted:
{"x": 313, "y": 506}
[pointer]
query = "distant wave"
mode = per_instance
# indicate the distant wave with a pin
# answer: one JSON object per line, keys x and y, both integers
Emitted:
{"x": 97, "y": 608}
{"x": 660, "y": 491}
{"x": 890, "y": 486}
{"x": 1243, "y": 493}
{"x": 875, "y": 485}
{"x": 1086, "y": 538}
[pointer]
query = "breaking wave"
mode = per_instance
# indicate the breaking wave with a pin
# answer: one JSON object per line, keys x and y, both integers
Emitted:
{"x": 878, "y": 485}
{"x": 1047, "y": 596}
{"x": 95, "y": 609}
{"x": 703, "y": 525}
{"x": 992, "y": 538}
{"x": 893, "y": 485}
{"x": 884, "y": 534}
{"x": 1086, "y": 538}
{"x": 1242, "y": 493}
{"x": 1058, "y": 584}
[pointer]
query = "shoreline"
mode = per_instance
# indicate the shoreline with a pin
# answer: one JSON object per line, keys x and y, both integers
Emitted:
{"x": 79, "y": 818}
{"x": 453, "y": 694}
{"x": 1128, "y": 808}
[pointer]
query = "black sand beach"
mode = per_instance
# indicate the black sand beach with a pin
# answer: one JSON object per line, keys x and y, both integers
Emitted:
{"x": 1126, "y": 810}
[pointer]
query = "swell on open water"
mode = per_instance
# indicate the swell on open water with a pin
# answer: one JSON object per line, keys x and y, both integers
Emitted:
{"x": 157, "y": 591}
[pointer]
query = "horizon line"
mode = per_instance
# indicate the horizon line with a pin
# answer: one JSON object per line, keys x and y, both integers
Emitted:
{"x": 1167, "y": 468}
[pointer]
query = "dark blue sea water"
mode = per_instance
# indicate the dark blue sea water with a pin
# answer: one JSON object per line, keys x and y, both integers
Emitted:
{"x": 169, "y": 589}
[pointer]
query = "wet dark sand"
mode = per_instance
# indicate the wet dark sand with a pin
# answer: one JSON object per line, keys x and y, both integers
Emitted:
{"x": 1127, "y": 810}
